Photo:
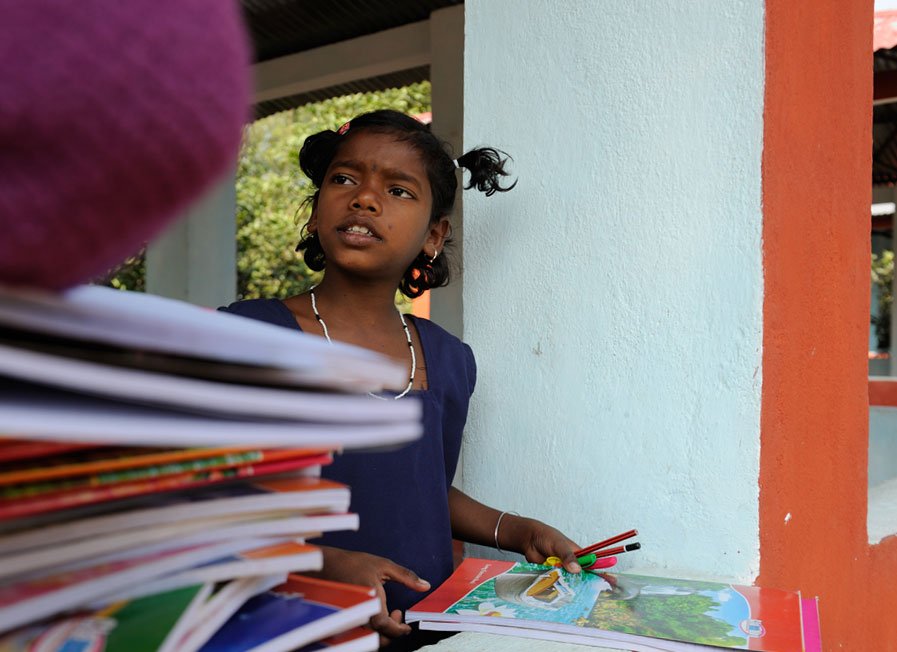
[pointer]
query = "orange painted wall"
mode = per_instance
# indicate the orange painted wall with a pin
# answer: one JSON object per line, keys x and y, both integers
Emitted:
{"x": 814, "y": 420}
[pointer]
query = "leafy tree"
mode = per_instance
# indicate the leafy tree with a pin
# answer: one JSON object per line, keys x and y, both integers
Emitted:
{"x": 129, "y": 275}
{"x": 680, "y": 618}
{"x": 270, "y": 190}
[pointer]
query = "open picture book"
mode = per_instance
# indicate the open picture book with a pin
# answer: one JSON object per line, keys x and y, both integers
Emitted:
{"x": 634, "y": 612}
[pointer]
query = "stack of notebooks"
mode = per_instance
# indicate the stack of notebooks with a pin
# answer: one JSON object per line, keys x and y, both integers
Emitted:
{"x": 618, "y": 610}
{"x": 160, "y": 476}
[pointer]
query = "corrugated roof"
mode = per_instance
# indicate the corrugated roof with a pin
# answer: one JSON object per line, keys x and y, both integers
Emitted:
{"x": 282, "y": 27}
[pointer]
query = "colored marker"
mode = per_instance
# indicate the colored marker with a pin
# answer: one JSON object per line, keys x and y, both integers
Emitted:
{"x": 618, "y": 550}
{"x": 607, "y": 542}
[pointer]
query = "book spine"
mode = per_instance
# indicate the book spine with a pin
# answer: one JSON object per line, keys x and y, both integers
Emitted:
{"x": 101, "y": 460}
{"x": 65, "y": 500}
{"x": 130, "y": 475}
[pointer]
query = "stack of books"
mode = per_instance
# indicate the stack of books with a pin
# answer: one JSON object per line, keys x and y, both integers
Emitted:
{"x": 160, "y": 475}
{"x": 618, "y": 610}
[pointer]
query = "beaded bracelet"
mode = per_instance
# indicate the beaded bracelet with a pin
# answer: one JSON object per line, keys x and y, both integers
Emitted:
{"x": 497, "y": 524}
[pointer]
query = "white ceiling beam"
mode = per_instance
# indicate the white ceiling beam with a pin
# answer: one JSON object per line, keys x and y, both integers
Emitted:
{"x": 388, "y": 51}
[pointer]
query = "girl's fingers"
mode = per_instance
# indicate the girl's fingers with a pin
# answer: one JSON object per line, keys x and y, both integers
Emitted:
{"x": 406, "y": 577}
{"x": 569, "y": 559}
{"x": 570, "y": 563}
{"x": 386, "y": 626}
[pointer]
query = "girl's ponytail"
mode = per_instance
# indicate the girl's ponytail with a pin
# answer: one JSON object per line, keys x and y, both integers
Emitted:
{"x": 486, "y": 166}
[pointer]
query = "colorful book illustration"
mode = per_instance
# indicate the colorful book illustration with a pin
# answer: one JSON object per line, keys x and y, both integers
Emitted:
{"x": 217, "y": 610}
{"x": 140, "y": 625}
{"x": 655, "y": 613}
{"x": 297, "y": 494}
{"x": 297, "y": 613}
{"x": 179, "y": 620}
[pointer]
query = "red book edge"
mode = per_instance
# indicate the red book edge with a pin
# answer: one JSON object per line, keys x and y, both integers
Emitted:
{"x": 14, "y": 450}
{"x": 123, "y": 459}
{"x": 326, "y": 592}
{"x": 469, "y": 575}
{"x": 77, "y": 498}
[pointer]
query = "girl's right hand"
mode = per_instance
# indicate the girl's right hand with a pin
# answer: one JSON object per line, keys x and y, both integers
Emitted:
{"x": 370, "y": 570}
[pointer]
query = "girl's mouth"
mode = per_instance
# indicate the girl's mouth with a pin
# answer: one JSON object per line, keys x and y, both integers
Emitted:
{"x": 357, "y": 234}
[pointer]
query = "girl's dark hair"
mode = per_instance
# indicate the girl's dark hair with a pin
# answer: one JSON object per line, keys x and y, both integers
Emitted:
{"x": 486, "y": 166}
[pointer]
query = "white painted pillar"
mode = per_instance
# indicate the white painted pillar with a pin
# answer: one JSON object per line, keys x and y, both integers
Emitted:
{"x": 447, "y": 81}
{"x": 619, "y": 333}
{"x": 195, "y": 259}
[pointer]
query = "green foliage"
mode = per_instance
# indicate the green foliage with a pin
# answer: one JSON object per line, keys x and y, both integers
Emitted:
{"x": 883, "y": 280}
{"x": 130, "y": 275}
{"x": 680, "y": 618}
{"x": 271, "y": 188}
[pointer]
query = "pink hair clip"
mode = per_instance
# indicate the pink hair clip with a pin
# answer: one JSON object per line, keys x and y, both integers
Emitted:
{"x": 342, "y": 130}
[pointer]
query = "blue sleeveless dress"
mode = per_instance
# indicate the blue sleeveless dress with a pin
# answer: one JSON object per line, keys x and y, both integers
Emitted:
{"x": 401, "y": 496}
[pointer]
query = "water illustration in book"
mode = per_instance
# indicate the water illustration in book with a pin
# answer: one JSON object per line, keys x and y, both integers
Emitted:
{"x": 612, "y": 607}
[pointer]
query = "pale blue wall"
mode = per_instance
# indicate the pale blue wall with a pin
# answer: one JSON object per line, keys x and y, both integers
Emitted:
{"x": 614, "y": 298}
{"x": 882, "y": 444}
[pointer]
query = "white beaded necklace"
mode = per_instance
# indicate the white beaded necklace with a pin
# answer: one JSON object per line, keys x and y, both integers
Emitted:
{"x": 314, "y": 307}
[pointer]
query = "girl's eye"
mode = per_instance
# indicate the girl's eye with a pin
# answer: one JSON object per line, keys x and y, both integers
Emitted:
{"x": 340, "y": 179}
{"x": 400, "y": 192}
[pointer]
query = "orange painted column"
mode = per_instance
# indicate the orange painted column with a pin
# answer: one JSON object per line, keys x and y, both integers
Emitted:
{"x": 420, "y": 307}
{"x": 816, "y": 180}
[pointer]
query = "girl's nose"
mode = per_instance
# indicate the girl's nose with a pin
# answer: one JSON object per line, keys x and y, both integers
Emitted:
{"x": 366, "y": 200}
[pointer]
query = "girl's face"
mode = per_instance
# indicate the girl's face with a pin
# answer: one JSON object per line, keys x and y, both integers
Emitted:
{"x": 373, "y": 210}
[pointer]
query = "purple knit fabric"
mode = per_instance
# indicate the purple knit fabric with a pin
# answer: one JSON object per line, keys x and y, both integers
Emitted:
{"x": 113, "y": 117}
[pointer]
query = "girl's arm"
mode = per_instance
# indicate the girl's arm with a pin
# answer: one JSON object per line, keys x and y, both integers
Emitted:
{"x": 474, "y": 522}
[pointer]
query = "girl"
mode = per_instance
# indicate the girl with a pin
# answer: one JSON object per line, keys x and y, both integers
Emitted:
{"x": 385, "y": 188}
